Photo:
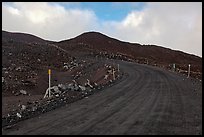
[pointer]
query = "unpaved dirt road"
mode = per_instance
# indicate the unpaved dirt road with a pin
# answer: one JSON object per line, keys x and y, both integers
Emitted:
{"x": 147, "y": 101}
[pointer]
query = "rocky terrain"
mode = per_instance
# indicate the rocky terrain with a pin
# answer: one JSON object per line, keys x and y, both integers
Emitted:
{"x": 146, "y": 54}
{"x": 80, "y": 67}
{"x": 147, "y": 101}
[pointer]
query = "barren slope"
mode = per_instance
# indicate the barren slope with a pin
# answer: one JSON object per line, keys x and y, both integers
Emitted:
{"x": 148, "y": 101}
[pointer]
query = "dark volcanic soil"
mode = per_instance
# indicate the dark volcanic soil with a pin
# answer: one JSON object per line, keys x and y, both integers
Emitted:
{"x": 151, "y": 97}
{"x": 149, "y": 101}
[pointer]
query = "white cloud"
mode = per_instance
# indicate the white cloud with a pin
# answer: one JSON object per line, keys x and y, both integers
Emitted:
{"x": 13, "y": 11}
{"x": 49, "y": 21}
{"x": 174, "y": 25}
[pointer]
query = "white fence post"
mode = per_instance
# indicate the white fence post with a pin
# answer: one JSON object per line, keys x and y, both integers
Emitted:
{"x": 174, "y": 67}
{"x": 189, "y": 70}
{"x": 113, "y": 74}
{"x": 49, "y": 73}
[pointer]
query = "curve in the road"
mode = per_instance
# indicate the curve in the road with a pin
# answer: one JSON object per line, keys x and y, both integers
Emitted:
{"x": 148, "y": 101}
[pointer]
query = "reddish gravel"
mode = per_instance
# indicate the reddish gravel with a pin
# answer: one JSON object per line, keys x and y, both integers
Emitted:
{"x": 149, "y": 100}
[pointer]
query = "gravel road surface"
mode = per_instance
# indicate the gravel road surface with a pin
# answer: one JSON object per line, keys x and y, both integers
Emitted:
{"x": 148, "y": 100}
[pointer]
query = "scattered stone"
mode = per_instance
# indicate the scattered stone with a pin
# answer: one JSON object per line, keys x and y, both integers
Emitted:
{"x": 36, "y": 102}
{"x": 56, "y": 89}
{"x": 105, "y": 77}
{"x": 76, "y": 88}
{"x": 23, "y": 107}
{"x": 66, "y": 67}
{"x": 17, "y": 93}
{"x": 58, "y": 97}
{"x": 70, "y": 86}
{"x": 9, "y": 127}
{"x": 23, "y": 92}
{"x": 88, "y": 83}
{"x": 61, "y": 86}
{"x": 82, "y": 88}
{"x": 34, "y": 108}
{"x": 18, "y": 115}
{"x": 18, "y": 69}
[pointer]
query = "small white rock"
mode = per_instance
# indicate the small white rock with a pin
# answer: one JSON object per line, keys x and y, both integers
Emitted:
{"x": 23, "y": 107}
{"x": 23, "y": 92}
{"x": 82, "y": 88}
{"x": 19, "y": 115}
{"x": 57, "y": 95}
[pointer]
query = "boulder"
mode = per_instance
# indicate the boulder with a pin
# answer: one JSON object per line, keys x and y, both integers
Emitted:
{"x": 23, "y": 92}
{"x": 62, "y": 87}
{"x": 23, "y": 107}
{"x": 76, "y": 87}
{"x": 82, "y": 88}
{"x": 34, "y": 108}
{"x": 65, "y": 67}
{"x": 56, "y": 89}
{"x": 71, "y": 86}
{"x": 18, "y": 69}
{"x": 106, "y": 77}
{"x": 18, "y": 115}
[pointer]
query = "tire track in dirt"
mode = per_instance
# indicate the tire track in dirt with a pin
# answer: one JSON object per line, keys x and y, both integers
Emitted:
{"x": 94, "y": 109}
{"x": 148, "y": 101}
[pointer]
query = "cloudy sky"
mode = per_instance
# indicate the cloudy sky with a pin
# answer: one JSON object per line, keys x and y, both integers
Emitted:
{"x": 173, "y": 25}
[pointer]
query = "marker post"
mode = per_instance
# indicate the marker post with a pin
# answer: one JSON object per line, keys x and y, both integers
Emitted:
{"x": 174, "y": 67}
{"x": 49, "y": 73}
{"x": 113, "y": 74}
{"x": 189, "y": 70}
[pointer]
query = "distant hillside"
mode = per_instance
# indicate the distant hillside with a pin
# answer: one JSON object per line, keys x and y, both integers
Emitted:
{"x": 152, "y": 53}
{"x": 95, "y": 42}
{"x": 21, "y": 37}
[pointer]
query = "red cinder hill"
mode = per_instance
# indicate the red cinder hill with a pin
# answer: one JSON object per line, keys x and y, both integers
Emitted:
{"x": 21, "y": 37}
{"x": 98, "y": 44}
{"x": 153, "y": 53}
